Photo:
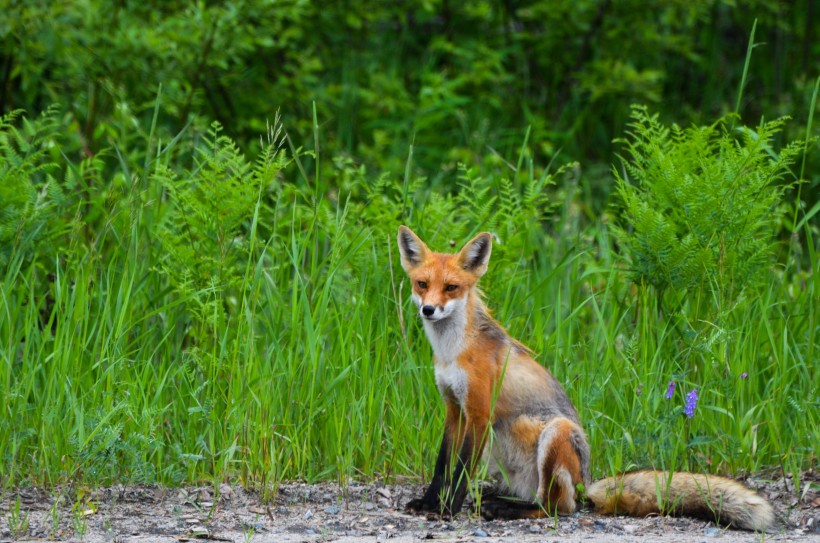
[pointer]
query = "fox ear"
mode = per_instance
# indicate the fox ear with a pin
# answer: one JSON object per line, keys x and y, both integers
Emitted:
{"x": 475, "y": 256}
{"x": 413, "y": 250}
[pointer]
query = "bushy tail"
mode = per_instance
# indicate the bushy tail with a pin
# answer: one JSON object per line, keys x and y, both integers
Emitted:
{"x": 640, "y": 493}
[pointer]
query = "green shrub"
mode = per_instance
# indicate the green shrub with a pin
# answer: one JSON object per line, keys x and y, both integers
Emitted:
{"x": 204, "y": 235}
{"x": 701, "y": 206}
{"x": 30, "y": 197}
{"x": 454, "y": 77}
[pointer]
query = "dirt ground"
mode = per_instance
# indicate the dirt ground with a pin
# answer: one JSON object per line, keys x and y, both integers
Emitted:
{"x": 360, "y": 512}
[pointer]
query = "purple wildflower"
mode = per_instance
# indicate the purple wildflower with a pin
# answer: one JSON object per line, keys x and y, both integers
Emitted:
{"x": 744, "y": 375}
{"x": 670, "y": 390}
{"x": 691, "y": 403}
{"x": 639, "y": 390}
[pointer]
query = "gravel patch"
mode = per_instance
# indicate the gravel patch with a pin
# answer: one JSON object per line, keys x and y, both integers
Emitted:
{"x": 360, "y": 512}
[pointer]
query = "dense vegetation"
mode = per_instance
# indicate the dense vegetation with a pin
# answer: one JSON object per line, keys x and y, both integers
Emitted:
{"x": 172, "y": 310}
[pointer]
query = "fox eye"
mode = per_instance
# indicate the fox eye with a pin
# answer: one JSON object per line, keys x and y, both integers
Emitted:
{"x": 422, "y": 284}
{"x": 450, "y": 288}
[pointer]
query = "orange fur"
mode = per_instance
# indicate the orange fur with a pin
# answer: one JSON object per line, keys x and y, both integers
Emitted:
{"x": 561, "y": 456}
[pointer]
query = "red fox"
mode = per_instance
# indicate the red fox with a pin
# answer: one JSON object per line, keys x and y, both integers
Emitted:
{"x": 539, "y": 449}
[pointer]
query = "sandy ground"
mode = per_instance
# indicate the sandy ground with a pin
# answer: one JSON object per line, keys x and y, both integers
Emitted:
{"x": 367, "y": 513}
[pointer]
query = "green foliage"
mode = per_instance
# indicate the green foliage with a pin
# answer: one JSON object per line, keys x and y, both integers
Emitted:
{"x": 106, "y": 452}
{"x": 453, "y": 77}
{"x": 203, "y": 236}
{"x": 701, "y": 206}
{"x": 179, "y": 305}
{"x": 29, "y": 195}
{"x": 209, "y": 316}
{"x": 700, "y": 210}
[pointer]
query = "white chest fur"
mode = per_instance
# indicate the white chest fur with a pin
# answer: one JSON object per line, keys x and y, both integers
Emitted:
{"x": 451, "y": 380}
{"x": 447, "y": 337}
{"x": 448, "y": 341}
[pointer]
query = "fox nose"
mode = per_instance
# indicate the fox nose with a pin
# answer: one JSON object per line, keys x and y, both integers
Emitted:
{"x": 428, "y": 310}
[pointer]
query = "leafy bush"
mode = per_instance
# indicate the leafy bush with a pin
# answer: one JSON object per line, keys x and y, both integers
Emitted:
{"x": 204, "y": 236}
{"x": 701, "y": 206}
{"x": 30, "y": 198}
{"x": 453, "y": 77}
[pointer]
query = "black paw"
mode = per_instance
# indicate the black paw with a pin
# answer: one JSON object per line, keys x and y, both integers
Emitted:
{"x": 503, "y": 510}
{"x": 489, "y": 511}
{"x": 420, "y": 506}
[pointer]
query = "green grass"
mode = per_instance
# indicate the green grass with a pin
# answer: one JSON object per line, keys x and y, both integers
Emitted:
{"x": 199, "y": 317}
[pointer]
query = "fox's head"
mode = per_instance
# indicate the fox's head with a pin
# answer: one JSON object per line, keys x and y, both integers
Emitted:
{"x": 442, "y": 282}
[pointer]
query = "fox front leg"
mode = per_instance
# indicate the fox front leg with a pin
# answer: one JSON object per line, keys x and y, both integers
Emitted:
{"x": 469, "y": 455}
{"x": 431, "y": 500}
{"x": 442, "y": 492}
{"x": 447, "y": 490}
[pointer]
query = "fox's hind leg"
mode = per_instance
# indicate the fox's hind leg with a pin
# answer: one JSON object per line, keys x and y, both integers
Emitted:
{"x": 561, "y": 456}
{"x": 563, "y": 463}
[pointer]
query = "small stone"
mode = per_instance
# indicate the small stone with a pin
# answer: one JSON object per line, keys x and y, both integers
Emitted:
{"x": 384, "y": 492}
{"x": 332, "y": 510}
{"x": 369, "y": 506}
{"x": 199, "y": 531}
{"x": 480, "y": 533}
{"x": 711, "y": 532}
{"x": 630, "y": 528}
{"x": 308, "y": 514}
{"x": 535, "y": 529}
